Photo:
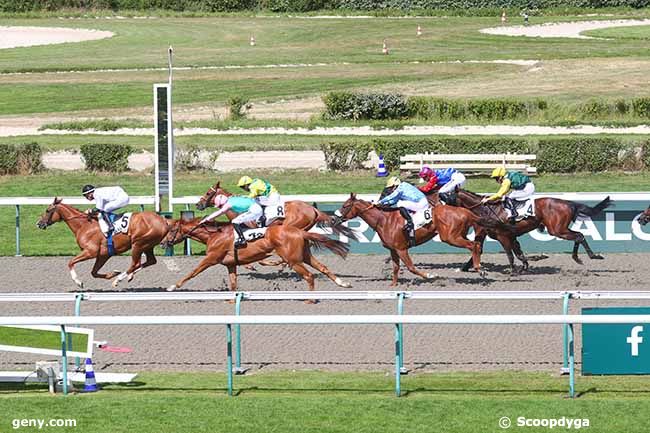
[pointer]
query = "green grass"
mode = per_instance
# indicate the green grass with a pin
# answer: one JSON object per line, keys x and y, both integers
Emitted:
{"x": 57, "y": 240}
{"x": 350, "y": 48}
{"x": 634, "y": 32}
{"x": 337, "y": 402}
{"x": 40, "y": 339}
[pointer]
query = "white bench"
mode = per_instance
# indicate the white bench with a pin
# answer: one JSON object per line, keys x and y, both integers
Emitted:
{"x": 470, "y": 163}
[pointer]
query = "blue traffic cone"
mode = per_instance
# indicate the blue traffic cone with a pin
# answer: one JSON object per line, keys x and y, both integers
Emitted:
{"x": 381, "y": 170}
{"x": 90, "y": 384}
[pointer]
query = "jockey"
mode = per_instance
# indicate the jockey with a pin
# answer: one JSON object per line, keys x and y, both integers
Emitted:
{"x": 446, "y": 180}
{"x": 514, "y": 186}
{"x": 262, "y": 192}
{"x": 246, "y": 207}
{"x": 107, "y": 201}
{"x": 408, "y": 199}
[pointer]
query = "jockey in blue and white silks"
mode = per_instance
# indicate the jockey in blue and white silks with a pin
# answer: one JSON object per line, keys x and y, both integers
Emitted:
{"x": 404, "y": 196}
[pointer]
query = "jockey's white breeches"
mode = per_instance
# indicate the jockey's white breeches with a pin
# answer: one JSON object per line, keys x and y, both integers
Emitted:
{"x": 457, "y": 180}
{"x": 523, "y": 194}
{"x": 272, "y": 199}
{"x": 119, "y": 202}
{"x": 413, "y": 206}
{"x": 254, "y": 213}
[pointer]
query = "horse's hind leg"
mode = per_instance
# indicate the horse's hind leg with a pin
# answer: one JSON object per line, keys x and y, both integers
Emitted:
{"x": 590, "y": 253}
{"x": 516, "y": 248}
{"x": 577, "y": 238}
{"x": 395, "y": 257}
{"x": 311, "y": 260}
{"x": 151, "y": 260}
{"x": 307, "y": 276}
{"x": 136, "y": 265}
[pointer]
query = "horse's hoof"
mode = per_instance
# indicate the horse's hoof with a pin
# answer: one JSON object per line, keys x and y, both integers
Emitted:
{"x": 482, "y": 273}
{"x": 80, "y": 284}
{"x": 171, "y": 288}
{"x": 130, "y": 277}
{"x": 578, "y": 261}
{"x": 598, "y": 257}
{"x": 458, "y": 270}
{"x": 115, "y": 283}
{"x": 311, "y": 301}
{"x": 339, "y": 282}
{"x": 431, "y": 276}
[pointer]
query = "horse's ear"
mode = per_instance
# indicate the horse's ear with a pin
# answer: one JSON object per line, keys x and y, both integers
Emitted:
{"x": 57, "y": 200}
{"x": 218, "y": 184}
{"x": 353, "y": 196}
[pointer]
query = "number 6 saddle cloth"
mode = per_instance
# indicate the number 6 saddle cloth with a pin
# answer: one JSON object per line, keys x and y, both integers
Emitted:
{"x": 422, "y": 218}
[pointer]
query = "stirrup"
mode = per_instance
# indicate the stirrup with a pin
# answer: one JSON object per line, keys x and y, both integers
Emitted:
{"x": 240, "y": 242}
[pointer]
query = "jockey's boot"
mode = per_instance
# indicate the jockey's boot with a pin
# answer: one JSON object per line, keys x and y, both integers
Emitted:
{"x": 241, "y": 240}
{"x": 446, "y": 197}
{"x": 409, "y": 227}
{"x": 262, "y": 221}
{"x": 512, "y": 205}
{"x": 109, "y": 224}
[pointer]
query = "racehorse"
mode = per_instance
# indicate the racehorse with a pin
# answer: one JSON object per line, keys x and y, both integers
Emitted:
{"x": 297, "y": 213}
{"x": 556, "y": 215}
{"x": 146, "y": 230}
{"x": 290, "y": 243}
{"x": 452, "y": 226}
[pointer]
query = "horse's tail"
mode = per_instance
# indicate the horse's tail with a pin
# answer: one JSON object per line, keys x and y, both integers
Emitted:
{"x": 325, "y": 221}
{"x": 584, "y": 211}
{"x": 319, "y": 241}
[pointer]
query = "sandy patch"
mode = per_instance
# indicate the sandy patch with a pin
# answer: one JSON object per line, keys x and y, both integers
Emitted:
{"x": 13, "y": 37}
{"x": 562, "y": 30}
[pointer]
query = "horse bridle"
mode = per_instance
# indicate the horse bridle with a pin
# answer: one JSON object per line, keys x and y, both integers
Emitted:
{"x": 50, "y": 212}
{"x": 342, "y": 213}
{"x": 209, "y": 196}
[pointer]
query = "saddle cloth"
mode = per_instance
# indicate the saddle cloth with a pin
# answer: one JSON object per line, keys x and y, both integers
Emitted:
{"x": 525, "y": 209}
{"x": 422, "y": 218}
{"x": 252, "y": 235}
{"x": 272, "y": 213}
{"x": 120, "y": 223}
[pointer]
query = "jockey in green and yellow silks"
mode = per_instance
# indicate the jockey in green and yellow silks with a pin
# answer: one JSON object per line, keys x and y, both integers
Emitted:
{"x": 515, "y": 187}
{"x": 261, "y": 191}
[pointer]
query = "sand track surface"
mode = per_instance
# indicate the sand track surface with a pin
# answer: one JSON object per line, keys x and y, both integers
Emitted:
{"x": 14, "y": 37}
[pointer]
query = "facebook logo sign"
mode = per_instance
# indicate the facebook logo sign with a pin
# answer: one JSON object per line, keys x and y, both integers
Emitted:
{"x": 615, "y": 348}
{"x": 634, "y": 339}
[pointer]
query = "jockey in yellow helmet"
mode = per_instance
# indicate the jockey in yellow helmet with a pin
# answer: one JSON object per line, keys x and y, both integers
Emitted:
{"x": 261, "y": 191}
{"x": 515, "y": 187}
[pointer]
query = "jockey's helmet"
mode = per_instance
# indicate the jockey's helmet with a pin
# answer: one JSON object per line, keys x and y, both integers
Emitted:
{"x": 426, "y": 173}
{"x": 87, "y": 189}
{"x": 393, "y": 181}
{"x": 244, "y": 180}
{"x": 220, "y": 200}
{"x": 498, "y": 172}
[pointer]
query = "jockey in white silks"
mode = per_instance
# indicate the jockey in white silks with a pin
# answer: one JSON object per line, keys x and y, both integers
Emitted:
{"x": 107, "y": 201}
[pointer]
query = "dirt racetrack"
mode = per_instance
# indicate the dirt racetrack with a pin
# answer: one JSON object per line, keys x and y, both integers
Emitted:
{"x": 366, "y": 347}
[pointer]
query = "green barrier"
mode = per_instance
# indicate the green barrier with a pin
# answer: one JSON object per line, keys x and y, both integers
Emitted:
{"x": 615, "y": 349}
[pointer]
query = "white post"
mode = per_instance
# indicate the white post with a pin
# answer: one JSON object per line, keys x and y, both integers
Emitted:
{"x": 170, "y": 130}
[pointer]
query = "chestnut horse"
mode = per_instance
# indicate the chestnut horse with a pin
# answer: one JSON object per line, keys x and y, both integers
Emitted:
{"x": 290, "y": 243}
{"x": 146, "y": 230}
{"x": 447, "y": 221}
{"x": 644, "y": 218}
{"x": 555, "y": 214}
{"x": 298, "y": 213}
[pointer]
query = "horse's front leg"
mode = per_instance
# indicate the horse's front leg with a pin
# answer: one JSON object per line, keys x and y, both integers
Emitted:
{"x": 99, "y": 263}
{"x": 404, "y": 256}
{"x": 81, "y": 257}
{"x": 210, "y": 260}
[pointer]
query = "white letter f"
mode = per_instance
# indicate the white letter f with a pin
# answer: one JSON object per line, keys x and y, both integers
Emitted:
{"x": 634, "y": 340}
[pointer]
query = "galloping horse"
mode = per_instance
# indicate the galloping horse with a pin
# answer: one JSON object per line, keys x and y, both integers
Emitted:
{"x": 290, "y": 243}
{"x": 555, "y": 214}
{"x": 451, "y": 224}
{"x": 146, "y": 230}
{"x": 298, "y": 213}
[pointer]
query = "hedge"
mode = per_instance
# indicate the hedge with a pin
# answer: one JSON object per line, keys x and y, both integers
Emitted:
{"x": 20, "y": 158}
{"x": 309, "y": 5}
{"x": 385, "y": 106}
{"x": 110, "y": 157}
{"x": 557, "y": 155}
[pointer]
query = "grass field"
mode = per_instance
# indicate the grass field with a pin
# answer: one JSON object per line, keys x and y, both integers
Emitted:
{"x": 344, "y": 54}
{"x": 337, "y": 402}
{"x": 57, "y": 240}
{"x": 40, "y": 339}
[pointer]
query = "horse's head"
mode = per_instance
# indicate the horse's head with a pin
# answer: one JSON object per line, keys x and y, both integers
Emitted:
{"x": 450, "y": 198}
{"x": 206, "y": 199}
{"x": 51, "y": 215}
{"x": 645, "y": 217}
{"x": 352, "y": 208}
{"x": 174, "y": 235}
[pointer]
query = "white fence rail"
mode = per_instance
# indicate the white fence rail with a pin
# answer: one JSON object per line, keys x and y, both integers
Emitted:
{"x": 396, "y": 320}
